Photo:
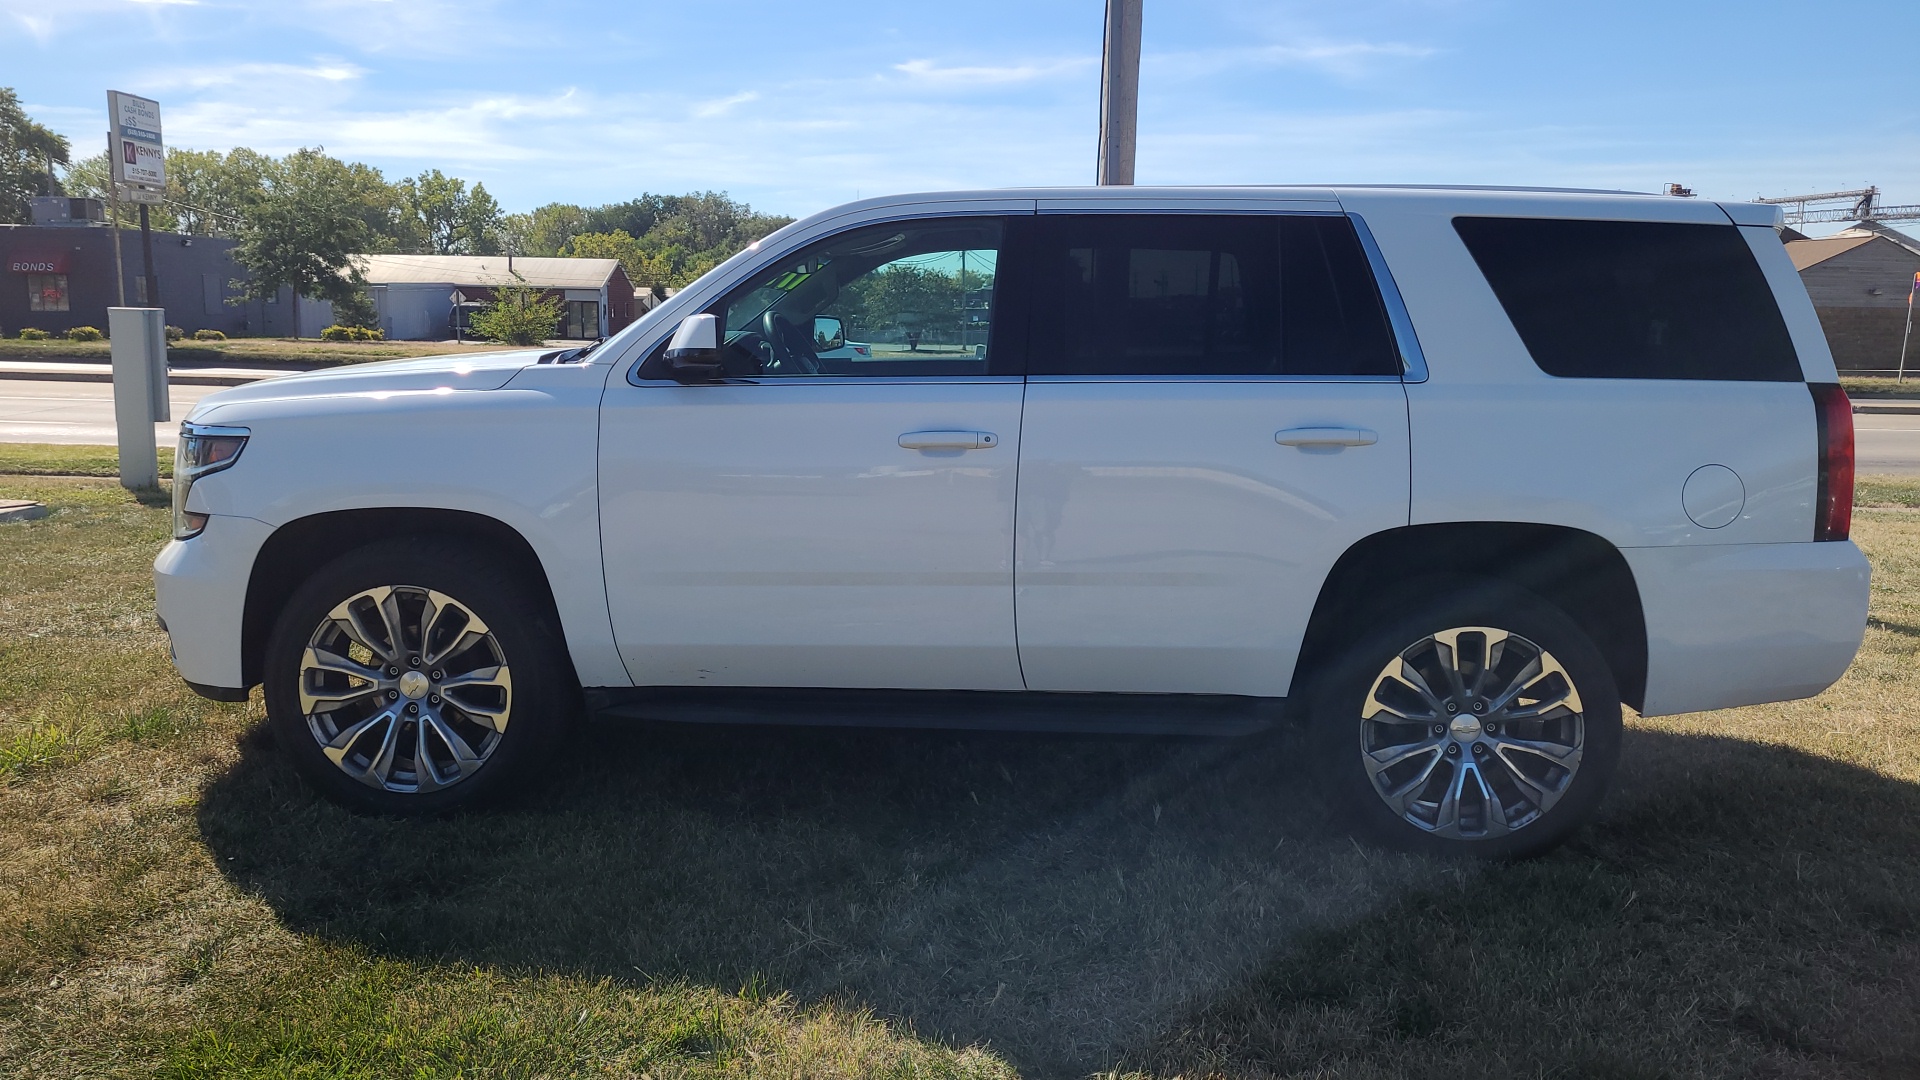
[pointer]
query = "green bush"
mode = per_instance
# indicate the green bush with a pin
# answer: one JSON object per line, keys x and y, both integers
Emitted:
{"x": 363, "y": 333}
{"x": 337, "y": 333}
{"x": 209, "y": 335}
{"x": 30, "y": 334}
{"x": 174, "y": 333}
{"x": 519, "y": 315}
{"x": 85, "y": 333}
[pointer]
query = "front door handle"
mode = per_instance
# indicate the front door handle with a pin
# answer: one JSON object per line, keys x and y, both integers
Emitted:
{"x": 949, "y": 440}
{"x": 1326, "y": 436}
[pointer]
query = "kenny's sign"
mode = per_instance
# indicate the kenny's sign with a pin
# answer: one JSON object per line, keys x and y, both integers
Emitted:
{"x": 139, "y": 157}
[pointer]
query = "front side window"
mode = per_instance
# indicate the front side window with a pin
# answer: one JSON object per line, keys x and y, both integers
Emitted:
{"x": 1206, "y": 295}
{"x": 907, "y": 298}
{"x": 1634, "y": 299}
{"x": 47, "y": 292}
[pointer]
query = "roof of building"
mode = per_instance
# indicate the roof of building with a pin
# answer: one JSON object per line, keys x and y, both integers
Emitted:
{"x": 1805, "y": 253}
{"x": 486, "y": 270}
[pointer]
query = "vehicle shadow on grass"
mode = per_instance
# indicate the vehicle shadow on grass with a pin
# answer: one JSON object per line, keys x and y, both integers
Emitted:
{"x": 1737, "y": 910}
{"x": 1081, "y": 903}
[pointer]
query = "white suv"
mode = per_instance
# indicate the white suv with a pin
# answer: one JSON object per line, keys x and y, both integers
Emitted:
{"x": 1448, "y": 474}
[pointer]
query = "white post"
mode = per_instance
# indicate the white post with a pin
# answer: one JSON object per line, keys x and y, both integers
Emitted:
{"x": 139, "y": 389}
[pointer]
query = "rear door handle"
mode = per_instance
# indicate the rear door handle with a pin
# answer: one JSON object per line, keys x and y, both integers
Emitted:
{"x": 949, "y": 440}
{"x": 1326, "y": 436}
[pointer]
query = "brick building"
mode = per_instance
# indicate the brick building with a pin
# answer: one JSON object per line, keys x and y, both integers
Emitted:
{"x": 57, "y": 276}
{"x": 1859, "y": 280}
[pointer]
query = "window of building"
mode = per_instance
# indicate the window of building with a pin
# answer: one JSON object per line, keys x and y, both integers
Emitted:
{"x": 1206, "y": 295}
{"x": 1634, "y": 300}
{"x": 47, "y": 292}
{"x": 581, "y": 320}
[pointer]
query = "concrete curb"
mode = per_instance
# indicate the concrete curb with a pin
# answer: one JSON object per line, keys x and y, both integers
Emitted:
{"x": 1888, "y": 406}
{"x": 17, "y": 510}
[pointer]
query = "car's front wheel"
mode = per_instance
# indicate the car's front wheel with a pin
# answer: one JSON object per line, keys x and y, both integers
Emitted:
{"x": 1484, "y": 723}
{"x": 416, "y": 676}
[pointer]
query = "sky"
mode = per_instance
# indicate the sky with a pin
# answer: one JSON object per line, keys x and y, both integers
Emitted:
{"x": 797, "y": 107}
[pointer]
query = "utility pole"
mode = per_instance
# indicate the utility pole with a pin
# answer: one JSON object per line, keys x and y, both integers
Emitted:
{"x": 152, "y": 299}
{"x": 113, "y": 205}
{"x": 1119, "y": 91}
{"x": 1902, "y": 377}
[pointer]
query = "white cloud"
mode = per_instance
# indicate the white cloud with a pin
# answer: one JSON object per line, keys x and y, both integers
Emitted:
{"x": 205, "y": 77}
{"x": 722, "y": 106}
{"x": 1343, "y": 59}
{"x": 931, "y": 73}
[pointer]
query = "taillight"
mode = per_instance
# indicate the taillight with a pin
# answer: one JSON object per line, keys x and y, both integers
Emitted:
{"x": 1833, "y": 499}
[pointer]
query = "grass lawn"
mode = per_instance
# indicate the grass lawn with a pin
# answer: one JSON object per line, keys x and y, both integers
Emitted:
{"x": 306, "y": 351}
{"x": 689, "y": 902}
{"x": 1878, "y": 386}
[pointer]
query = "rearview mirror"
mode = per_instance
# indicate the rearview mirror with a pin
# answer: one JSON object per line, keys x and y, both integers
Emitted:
{"x": 828, "y": 333}
{"x": 693, "y": 355}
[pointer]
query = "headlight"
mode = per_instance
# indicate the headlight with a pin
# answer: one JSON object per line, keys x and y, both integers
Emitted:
{"x": 203, "y": 449}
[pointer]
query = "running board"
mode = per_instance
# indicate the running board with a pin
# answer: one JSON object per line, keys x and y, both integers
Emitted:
{"x": 954, "y": 710}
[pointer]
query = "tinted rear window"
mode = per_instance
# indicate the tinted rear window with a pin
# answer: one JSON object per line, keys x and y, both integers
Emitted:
{"x": 1205, "y": 294}
{"x": 1634, "y": 300}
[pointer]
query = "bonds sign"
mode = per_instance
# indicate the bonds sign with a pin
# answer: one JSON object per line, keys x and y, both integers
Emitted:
{"x": 139, "y": 157}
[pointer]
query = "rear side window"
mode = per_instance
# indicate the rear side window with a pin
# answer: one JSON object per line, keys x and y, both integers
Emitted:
{"x": 1634, "y": 300}
{"x": 1193, "y": 294}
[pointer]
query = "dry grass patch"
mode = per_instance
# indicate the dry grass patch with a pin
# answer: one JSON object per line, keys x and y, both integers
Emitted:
{"x": 721, "y": 902}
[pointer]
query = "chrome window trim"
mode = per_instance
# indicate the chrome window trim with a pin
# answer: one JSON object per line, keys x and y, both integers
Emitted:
{"x": 848, "y": 380}
{"x": 1213, "y": 378}
{"x": 1413, "y": 361}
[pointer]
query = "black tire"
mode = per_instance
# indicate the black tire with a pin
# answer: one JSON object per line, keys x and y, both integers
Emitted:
{"x": 539, "y": 701}
{"x": 1339, "y": 697}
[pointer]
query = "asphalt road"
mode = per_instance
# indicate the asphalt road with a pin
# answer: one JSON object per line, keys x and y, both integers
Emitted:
{"x": 78, "y": 412}
{"x": 1886, "y": 443}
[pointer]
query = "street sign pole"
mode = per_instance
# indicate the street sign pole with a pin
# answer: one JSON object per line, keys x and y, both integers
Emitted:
{"x": 1119, "y": 92}
{"x": 1902, "y": 377}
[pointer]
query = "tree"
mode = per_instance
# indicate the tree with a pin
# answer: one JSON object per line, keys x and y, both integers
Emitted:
{"x": 92, "y": 178}
{"x": 209, "y": 192}
{"x": 519, "y": 315}
{"x": 546, "y": 230}
{"x": 680, "y": 237}
{"x": 453, "y": 219}
{"x": 29, "y": 155}
{"x": 310, "y": 219}
{"x": 644, "y": 269}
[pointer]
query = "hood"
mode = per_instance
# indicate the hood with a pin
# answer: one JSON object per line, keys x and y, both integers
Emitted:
{"x": 463, "y": 371}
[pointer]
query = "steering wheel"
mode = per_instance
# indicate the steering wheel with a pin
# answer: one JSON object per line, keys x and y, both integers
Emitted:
{"x": 792, "y": 347}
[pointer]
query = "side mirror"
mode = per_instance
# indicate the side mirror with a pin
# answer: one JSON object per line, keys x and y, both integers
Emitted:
{"x": 828, "y": 333}
{"x": 693, "y": 355}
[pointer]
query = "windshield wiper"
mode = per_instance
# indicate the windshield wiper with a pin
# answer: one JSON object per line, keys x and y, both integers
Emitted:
{"x": 570, "y": 356}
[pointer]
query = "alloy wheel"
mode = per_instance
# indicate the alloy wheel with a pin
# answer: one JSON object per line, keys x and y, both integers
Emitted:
{"x": 405, "y": 689}
{"x": 1472, "y": 733}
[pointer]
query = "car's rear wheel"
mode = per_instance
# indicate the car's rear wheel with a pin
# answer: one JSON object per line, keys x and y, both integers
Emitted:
{"x": 416, "y": 676}
{"x": 1484, "y": 723}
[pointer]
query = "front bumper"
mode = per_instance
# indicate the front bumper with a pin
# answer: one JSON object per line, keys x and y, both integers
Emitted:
{"x": 200, "y": 595}
{"x": 1742, "y": 624}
